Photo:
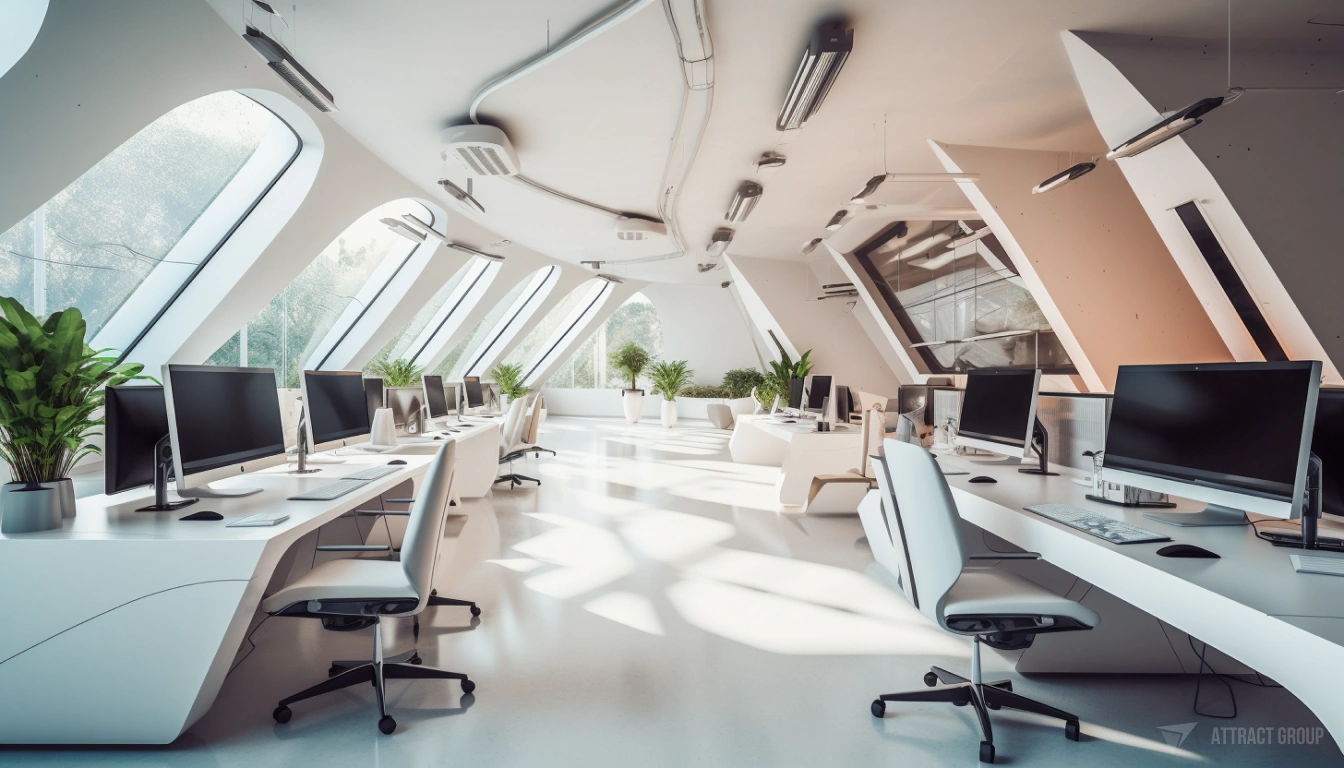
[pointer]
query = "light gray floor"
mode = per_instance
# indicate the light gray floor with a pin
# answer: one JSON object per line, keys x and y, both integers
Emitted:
{"x": 649, "y": 606}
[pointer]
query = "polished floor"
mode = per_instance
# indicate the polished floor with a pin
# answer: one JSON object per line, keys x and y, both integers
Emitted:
{"x": 649, "y": 605}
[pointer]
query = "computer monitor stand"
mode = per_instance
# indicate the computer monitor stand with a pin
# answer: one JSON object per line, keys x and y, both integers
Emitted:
{"x": 1312, "y": 514}
{"x": 1040, "y": 443}
{"x": 163, "y": 465}
{"x": 206, "y": 492}
{"x": 1211, "y": 515}
{"x": 302, "y": 468}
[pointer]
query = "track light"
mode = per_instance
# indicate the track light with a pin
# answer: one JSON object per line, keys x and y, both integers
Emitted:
{"x": 744, "y": 200}
{"x": 404, "y": 229}
{"x": 811, "y": 245}
{"x": 870, "y": 188}
{"x": 770, "y": 161}
{"x": 472, "y": 251}
{"x": 1172, "y": 126}
{"x": 279, "y": 59}
{"x": 1064, "y": 177}
{"x": 416, "y": 221}
{"x": 718, "y": 242}
{"x": 826, "y": 53}
{"x": 609, "y": 278}
{"x": 837, "y": 220}
{"x": 463, "y": 197}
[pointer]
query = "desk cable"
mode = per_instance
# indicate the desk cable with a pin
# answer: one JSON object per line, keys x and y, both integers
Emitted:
{"x": 1225, "y": 679}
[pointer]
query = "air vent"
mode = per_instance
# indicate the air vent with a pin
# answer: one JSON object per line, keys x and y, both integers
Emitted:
{"x": 483, "y": 150}
{"x": 629, "y": 229}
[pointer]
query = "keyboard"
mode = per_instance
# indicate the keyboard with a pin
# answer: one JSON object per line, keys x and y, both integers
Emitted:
{"x": 1096, "y": 524}
{"x": 259, "y": 520}
{"x": 1326, "y": 566}
{"x": 349, "y": 484}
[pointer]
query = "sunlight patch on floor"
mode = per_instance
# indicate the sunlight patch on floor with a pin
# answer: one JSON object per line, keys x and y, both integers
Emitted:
{"x": 627, "y": 608}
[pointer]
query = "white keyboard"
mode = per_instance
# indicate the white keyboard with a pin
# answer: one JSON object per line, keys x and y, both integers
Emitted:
{"x": 338, "y": 488}
{"x": 372, "y": 473}
{"x": 1096, "y": 524}
{"x": 1326, "y": 566}
{"x": 259, "y": 520}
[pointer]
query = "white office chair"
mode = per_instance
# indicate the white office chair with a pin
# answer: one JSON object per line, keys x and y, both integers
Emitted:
{"x": 511, "y": 445}
{"x": 377, "y": 588}
{"x": 993, "y": 606}
{"x": 529, "y": 439}
{"x": 840, "y": 493}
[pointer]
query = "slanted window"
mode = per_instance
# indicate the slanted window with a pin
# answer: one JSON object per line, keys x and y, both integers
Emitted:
{"x": 20, "y": 21}
{"x": 508, "y": 318}
{"x": 445, "y": 305}
{"x": 554, "y": 330}
{"x": 636, "y": 320}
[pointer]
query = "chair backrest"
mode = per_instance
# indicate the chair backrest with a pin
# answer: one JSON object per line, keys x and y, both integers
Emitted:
{"x": 871, "y": 443}
{"x": 894, "y": 531}
{"x": 534, "y": 423}
{"x": 867, "y": 400}
{"x": 930, "y": 523}
{"x": 424, "y": 526}
{"x": 513, "y": 426}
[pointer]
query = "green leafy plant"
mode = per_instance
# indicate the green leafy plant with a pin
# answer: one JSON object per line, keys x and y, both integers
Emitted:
{"x": 51, "y": 387}
{"x": 785, "y": 368}
{"x": 509, "y": 377}
{"x": 397, "y": 373}
{"x": 739, "y": 381}
{"x": 630, "y": 360}
{"x": 771, "y": 385}
{"x": 704, "y": 392}
{"x": 670, "y": 377}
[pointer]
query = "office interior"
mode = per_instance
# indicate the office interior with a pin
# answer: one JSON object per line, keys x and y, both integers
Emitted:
{"x": 691, "y": 382}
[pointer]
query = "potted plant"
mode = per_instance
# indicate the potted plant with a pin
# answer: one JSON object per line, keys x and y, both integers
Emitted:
{"x": 785, "y": 370}
{"x": 509, "y": 378}
{"x": 630, "y": 360}
{"x": 50, "y": 395}
{"x": 669, "y": 378}
{"x": 397, "y": 373}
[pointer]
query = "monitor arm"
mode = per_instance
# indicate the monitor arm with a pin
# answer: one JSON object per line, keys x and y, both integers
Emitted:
{"x": 1040, "y": 443}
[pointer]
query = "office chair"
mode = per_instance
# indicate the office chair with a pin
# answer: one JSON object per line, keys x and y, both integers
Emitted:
{"x": 377, "y": 588}
{"x": 993, "y": 606}
{"x": 840, "y": 493}
{"x": 529, "y": 441}
{"x": 511, "y": 446}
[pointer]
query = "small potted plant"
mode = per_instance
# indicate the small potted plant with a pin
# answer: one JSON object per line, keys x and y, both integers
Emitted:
{"x": 50, "y": 395}
{"x": 669, "y": 378}
{"x": 509, "y": 378}
{"x": 629, "y": 361}
{"x": 397, "y": 373}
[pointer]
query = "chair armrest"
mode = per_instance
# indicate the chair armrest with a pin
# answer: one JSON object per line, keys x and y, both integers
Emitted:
{"x": 1006, "y": 556}
{"x": 353, "y": 548}
{"x": 399, "y": 501}
{"x": 378, "y": 512}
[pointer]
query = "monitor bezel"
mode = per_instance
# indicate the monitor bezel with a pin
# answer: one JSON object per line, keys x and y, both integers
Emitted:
{"x": 424, "y": 388}
{"x": 1200, "y": 485}
{"x": 257, "y": 463}
{"x": 112, "y": 455}
{"x": 466, "y": 391}
{"x": 333, "y": 442}
{"x": 810, "y": 388}
{"x": 382, "y": 396}
{"x": 1001, "y": 444}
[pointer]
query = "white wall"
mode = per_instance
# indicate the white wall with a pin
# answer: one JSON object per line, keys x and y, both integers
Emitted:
{"x": 702, "y": 325}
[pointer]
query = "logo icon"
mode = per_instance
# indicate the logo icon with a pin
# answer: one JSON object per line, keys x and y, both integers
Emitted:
{"x": 1175, "y": 735}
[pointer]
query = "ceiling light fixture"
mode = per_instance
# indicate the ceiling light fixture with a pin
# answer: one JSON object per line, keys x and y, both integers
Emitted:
{"x": 718, "y": 242}
{"x": 404, "y": 229}
{"x": 472, "y": 251}
{"x": 1064, "y": 177}
{"x": 744, "y": 200}
{"x": 412, "y": 219}
{"x": 837, "y": 220}
{"x": 811, "y": 245}
{"x": 1170, "y": 127}
{"x": 279, "y": 59}
{"x": 870, "y": 188}
{"x": 845, "y": 295}
{"x": 770, "y": 161}
{"x": 826, "y": 53}
{"x": 978, "y": 234}
{"x": 463, "y": 197}
{"x": 592, "y": 264}
{"x": 609, "y": 278}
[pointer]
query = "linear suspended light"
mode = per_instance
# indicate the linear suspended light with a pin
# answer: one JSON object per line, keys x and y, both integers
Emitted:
{"x": 404, "y": 229}
{"x": 472, "y": 251}
{"x": 412, "y": 219}
{"x": 837, "y": 220}
{"x": 1169, "y": 128}
{"x": 1064, "y": 177}
{"x": 718, "y": 242}
{"x": 870, "y": 188}
{"x": 826, "y": 53}
{"x": 744, "y": 200}
{"x": 279, "y": 59}
{"x": 811, "y": 245}
{"x": 966, "y": 239}
{"x": 462, "y": 196}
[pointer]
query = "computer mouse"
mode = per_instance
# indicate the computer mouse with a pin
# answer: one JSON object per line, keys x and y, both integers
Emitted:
{"x": 790, "y": 421}
{"x": 204, "y": 514}
{"x": 1186, "y": 550}
{"x": 396, "y": 462}
{"x": 438, "y": 437}
{"x": 983, "y": 479}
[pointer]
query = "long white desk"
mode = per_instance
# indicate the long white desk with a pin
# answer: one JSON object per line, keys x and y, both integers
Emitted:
{"x": 1250, "y": 604}
{"x": 801, "y": 451}
{"x": 120, "y": 627}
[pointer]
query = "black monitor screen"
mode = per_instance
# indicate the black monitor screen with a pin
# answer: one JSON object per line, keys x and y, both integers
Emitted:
{"x": 373, "y": 396}
{"x": 843, "y": 404}
{"x": 224, "y": 416}
{"x": 1327, "y": 441}
{"x": 795, "y": 393}
{"x": 137, "y": 418}
{"x": 997, "y": 406}
{"x": 1236, "y": 426}
{"x": 472, "y": 385}
{"x": 818, "y": 390}
{"x": 336, "y": 404}
{"x": 435, "y": 398}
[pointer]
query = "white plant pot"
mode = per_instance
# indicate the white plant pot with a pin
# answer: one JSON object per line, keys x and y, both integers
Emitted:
{"x": 669, "y": 414}
{"x": 633, "y": 401}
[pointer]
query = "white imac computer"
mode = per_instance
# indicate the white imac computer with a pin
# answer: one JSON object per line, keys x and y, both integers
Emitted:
{"x": 998, "y": 414}
{"x": 436, "y": 397}
{"x": 336, "y": 409}
{"x": 223, "y": 422}
{"x": 1236, "y": 436}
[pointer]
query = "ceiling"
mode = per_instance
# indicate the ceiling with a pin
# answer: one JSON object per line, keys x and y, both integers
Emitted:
{"x": 598, "y": 122}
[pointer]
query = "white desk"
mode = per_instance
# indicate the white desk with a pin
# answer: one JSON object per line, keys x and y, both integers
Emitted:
{"x": 120, "y": 627}
{"x": 798, "y": 449}
{"x": 477, "y": 454}
{"x": 1249, "y": 604}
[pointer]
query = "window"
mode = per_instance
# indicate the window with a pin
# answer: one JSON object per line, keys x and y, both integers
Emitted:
{"x": 500, "y": 326}
{"x": 309, "y": 317}
{"x": 123, "y": 240}
{"x": 558, "y": 323}
{"x": 962, "y": 308}
{"x": 636, "y": 320}
{"x": 415, "y": 336}
{"x": 20, "y": 21}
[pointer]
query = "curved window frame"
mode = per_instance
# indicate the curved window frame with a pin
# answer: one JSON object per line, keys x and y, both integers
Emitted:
{"x": 20, "y": 26}
{"x": 472, "y": 288}
{"x": 579, "y": 320}
{"x": 544, "y": 281}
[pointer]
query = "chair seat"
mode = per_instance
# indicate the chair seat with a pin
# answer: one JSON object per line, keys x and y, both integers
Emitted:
{"x": 346, "y": 579}
{"x": 991, "y": 592}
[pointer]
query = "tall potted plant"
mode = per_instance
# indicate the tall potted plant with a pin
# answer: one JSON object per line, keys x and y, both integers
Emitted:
{"x": 786, "y": 370}
{"x": 669, "y": 378}
{"x": 630, "y": 360}
{"x": 50, "y": 390}
{"x": 509, "y": 377}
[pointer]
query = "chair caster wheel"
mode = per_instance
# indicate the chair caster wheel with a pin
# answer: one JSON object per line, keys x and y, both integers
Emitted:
{"x": 986, "y": 752}
{"x": 879, "y": 708}
{"x": 416, "y": 660}
{"x": 475, "y": 610}
{"x": 930, "y": 679}
{"x": 387, "y": 725}
{"x": 468, "y": 686}
{"x": 1071, "y": 731}
{"x": 282, "y": 714}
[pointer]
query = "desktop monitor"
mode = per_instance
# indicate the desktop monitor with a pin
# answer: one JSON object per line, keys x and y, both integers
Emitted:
{"x": 336, "y": 408}
{"x": 436, "y": 399}
{"x": 1327, "y": 442}
{"x": 137, "y": 420}
{"x": 796, "y": 394}
{"x": 373, "y": 396}
{"x": 843, "y": 404}
{"x": 998, "y": 411}
{"x": 223, "y": 422}
{"x": 818, "y": 389}
{"x": 472, "y": 387}
{"x": 1234, "y": 435}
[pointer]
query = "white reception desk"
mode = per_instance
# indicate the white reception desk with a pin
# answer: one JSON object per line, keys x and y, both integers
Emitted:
{"x": 798, "y": 449}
